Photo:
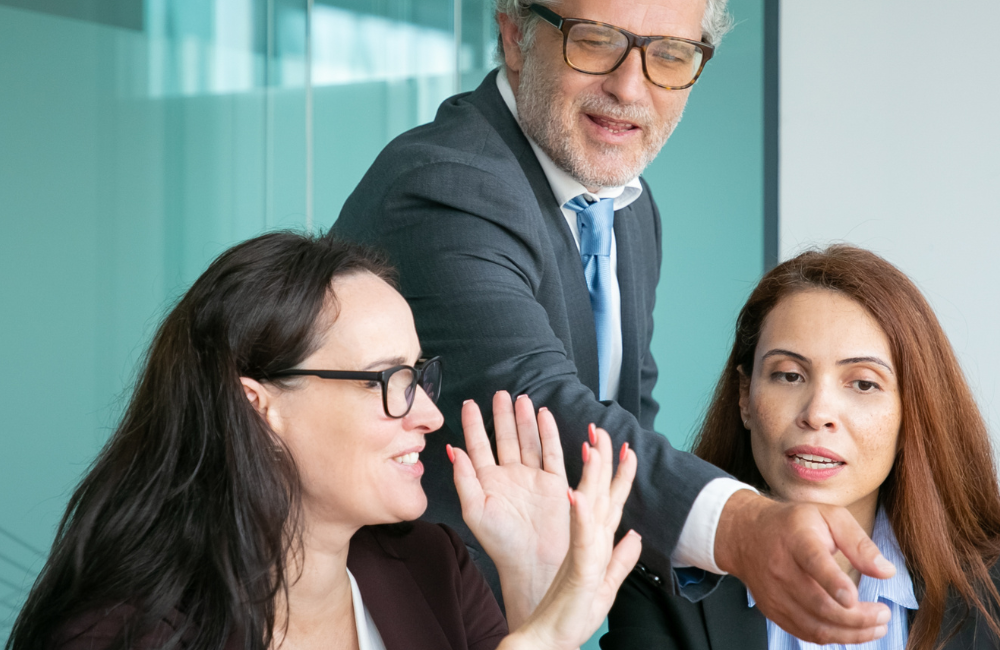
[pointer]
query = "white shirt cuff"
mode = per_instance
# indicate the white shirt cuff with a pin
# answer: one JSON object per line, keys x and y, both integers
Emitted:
{"x": 696, "y": 546}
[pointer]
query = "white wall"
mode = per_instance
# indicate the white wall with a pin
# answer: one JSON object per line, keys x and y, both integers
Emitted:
{"x": 890, "y": 140}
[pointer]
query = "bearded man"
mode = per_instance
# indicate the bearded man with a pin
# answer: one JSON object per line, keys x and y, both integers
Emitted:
{"x": 529, "y": 249}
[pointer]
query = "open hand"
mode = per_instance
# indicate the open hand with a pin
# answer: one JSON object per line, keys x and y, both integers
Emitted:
{"x": 517, "y": 509}
{"x": 590, "y": 576}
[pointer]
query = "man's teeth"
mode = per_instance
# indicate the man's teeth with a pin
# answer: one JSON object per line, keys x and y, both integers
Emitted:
{"x": 809, "y": 461}
{"x": 615, "y": 127}
{"x": 408, "y": 459}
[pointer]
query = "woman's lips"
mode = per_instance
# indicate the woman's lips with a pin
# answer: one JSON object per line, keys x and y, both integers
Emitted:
{"x": 409, "y": 461}
{"x": 814, "y": 463}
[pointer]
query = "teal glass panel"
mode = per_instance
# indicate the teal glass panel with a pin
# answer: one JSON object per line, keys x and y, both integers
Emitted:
{"x": 130, "y": 155}
{"x": 708, "y": 182}
{"x": 378, "y": 69}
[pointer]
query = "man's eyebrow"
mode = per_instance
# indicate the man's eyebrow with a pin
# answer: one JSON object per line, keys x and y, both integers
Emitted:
{"x": 846, "y": 362}
{"x": 784, "y": 353}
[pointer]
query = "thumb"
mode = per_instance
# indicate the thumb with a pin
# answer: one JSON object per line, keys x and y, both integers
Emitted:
{"x": 856, "y": 546}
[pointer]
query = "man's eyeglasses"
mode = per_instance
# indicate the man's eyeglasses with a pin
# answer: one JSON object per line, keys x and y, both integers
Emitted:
{"x": 399, "y": 383}
{"x": 598, "y": 48}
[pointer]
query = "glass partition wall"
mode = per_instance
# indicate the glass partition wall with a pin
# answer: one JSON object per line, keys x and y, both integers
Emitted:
{"x": 140, "y": 138}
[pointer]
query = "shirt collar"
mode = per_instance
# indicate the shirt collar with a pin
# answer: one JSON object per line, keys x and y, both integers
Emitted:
{"x": 899, "y": 588}
{"x": 563, "y": 185}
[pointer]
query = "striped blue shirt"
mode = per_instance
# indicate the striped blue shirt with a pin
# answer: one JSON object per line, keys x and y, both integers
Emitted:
{"x": 896, "y": 592}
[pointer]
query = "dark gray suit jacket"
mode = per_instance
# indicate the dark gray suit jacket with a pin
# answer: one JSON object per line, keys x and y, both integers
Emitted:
{"x": 645, "y": 617}
{"x": 494, "y": 277}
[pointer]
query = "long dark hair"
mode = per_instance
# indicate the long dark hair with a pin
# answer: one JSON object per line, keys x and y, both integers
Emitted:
{"x": 941, "y": 495}
{"x": 190, "y": 509}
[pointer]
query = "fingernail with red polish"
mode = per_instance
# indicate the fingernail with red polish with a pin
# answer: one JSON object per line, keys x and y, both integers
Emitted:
{"x": 451, "y": 453}
{"x": 592, "y": 432}
{"x": 569, "y": 493}
{"x": 624, "y": 453}
{"x": 586, "y": 452}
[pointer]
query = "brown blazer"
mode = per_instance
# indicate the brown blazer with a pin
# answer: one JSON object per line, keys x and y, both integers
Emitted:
{"x": 423, "y": 590}
{"x": 418, "y": 581}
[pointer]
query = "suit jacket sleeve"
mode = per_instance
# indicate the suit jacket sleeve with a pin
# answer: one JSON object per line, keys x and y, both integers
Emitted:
{"x": 475, "y": 263}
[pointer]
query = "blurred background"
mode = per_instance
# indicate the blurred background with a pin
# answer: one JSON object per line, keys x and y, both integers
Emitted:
{"x": 140, "y": 138}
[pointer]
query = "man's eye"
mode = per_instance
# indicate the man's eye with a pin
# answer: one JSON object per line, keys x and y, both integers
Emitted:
{"x": 372, "y": 383}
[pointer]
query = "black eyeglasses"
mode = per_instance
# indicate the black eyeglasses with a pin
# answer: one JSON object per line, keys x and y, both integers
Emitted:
{"x": 597, "y": 48}
{"x": 399, "y": 383}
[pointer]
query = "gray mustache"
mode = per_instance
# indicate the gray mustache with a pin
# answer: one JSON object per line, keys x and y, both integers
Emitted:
{"x": 606, "y": 107}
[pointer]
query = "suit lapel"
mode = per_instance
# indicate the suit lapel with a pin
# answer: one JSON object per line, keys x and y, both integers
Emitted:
{"x": 396, "y": 603}
{"x": 583, "y": 346}
{"x": 730, "y": 623}
{"x": 626, "y": 235}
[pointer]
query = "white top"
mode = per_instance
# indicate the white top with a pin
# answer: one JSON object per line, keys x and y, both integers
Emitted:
{"x": 696, "y": 546}
{"x": 368, "y": 636}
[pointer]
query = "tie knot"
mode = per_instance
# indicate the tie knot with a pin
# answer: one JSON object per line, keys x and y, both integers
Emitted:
{"x": 596, "y": 222}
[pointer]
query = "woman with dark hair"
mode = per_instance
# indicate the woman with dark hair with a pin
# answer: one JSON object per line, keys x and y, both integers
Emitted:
{"x": 842, "y": 389}
{"x": 252, "y": 495}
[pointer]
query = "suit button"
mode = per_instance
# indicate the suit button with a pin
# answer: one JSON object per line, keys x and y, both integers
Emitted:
{"x": 649, "y": 575}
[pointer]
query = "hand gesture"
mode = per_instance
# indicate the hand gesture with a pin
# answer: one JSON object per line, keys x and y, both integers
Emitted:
{"x": 517, "y": 509}
{"x": 585, "y": 587}
{"x": 784, "y": 553}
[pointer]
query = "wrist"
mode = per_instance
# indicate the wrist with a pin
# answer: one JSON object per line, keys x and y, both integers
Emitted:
{"x": 739, "y": 518}
{"x": 527, "y": 639}
{"x": 523, "y": 588}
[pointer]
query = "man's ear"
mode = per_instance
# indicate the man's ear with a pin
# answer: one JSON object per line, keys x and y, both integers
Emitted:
{"x": 511, "y": 35}
{"x": 262, "y": 400}
{"x": 744, "y": 396}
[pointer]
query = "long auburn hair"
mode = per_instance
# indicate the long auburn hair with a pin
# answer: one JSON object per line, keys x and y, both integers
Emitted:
{"x": 941, "y": 496}
{"x": 191, "y": 508}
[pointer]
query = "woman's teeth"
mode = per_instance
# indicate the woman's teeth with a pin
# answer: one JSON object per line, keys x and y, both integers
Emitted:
{"x": 408, "y": 459}
{"x": 810, "y": 461}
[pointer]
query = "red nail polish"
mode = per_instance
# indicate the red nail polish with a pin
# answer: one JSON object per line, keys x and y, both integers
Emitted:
{"x": 451, "y": 453}
{"x": 586, "y": 452}
{"x": 621, "y": 456}
{"x": 569, "y": 493}
{"x": 592, "y": 432}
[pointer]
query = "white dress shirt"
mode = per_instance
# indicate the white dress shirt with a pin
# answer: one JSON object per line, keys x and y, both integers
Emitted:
{"x": 696, "y": 546}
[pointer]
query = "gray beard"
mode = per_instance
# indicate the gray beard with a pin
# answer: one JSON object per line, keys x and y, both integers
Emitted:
{"x": 547, "y": 120}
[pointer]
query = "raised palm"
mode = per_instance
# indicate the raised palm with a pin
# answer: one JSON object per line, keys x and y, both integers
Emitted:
{"x": 519, "y": 509}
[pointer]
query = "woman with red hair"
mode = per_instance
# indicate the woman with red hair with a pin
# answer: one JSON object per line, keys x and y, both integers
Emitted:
{"x": 843, "y": 389}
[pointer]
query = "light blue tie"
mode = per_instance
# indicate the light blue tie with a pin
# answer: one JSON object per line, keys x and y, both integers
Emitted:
{"x": 596, "y": 222}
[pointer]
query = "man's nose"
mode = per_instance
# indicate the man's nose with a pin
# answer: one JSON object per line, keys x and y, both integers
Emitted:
{"x": 628, "y": 82}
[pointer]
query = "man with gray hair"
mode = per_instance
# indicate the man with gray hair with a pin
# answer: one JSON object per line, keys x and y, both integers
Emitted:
{"x": 529, "y": 248}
